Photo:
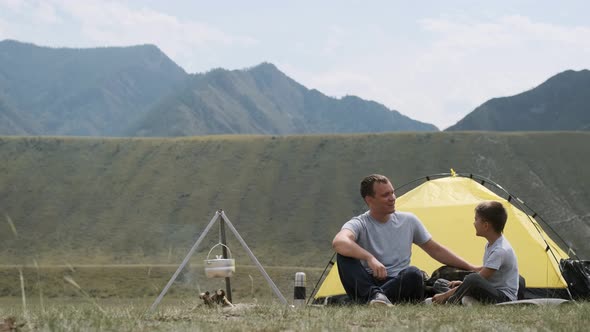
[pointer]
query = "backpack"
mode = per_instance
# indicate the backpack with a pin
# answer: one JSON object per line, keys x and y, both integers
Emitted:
{"x": 577, "y": 275}
{"x": 447, "y": 272}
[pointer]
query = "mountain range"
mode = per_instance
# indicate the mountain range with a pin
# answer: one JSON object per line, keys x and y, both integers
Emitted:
{"x": 139, "y": 91}
{"x": 263, "y": 100}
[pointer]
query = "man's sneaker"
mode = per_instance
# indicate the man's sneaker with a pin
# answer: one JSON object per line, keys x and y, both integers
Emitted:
{"x": 428, "y": 301}
{"x": 469, "y": 301}
{"x": 379, "y": 299}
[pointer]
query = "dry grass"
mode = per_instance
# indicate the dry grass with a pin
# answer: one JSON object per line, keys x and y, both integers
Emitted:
{"x": 175, "y": 315}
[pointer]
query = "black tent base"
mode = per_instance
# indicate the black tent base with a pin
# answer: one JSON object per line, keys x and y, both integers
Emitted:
{"x": 537, "y": 296}
{"x": 538, "y": 302}
{"x": 544, "y": 293}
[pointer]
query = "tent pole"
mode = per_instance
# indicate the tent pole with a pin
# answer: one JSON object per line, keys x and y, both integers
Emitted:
{"x": 330, "y": 263}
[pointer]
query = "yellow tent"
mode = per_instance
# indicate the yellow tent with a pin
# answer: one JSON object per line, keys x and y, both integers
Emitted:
{"x": 446, "y": 207}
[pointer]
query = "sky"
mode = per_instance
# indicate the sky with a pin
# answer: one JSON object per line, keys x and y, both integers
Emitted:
{"x": 434, "y": 61}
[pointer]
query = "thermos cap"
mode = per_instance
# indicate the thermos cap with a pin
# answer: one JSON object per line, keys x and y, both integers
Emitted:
{"x": 300, "y": 279}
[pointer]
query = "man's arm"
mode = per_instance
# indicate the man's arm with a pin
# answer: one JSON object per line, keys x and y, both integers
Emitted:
{"x": 344, "y": 243}
{"x": 446, "y": 256}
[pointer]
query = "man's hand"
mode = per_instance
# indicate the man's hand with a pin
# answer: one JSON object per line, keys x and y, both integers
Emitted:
{"x": 455, "y": 283}
{"x": 379, "y": 270}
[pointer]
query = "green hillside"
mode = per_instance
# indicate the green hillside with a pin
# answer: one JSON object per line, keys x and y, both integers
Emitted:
{"x": 560, "y": 103}
{"x": 263, "y": 100}
{"x": 146, "y": 200}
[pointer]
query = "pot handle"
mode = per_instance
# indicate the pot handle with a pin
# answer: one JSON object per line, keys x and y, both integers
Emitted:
{"x": 230, "y": 255}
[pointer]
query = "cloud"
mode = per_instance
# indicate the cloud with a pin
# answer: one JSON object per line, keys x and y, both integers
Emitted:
{"x": 12, "y": 5}
{"x": 113, "y": 22}
{"x": 3, "y": 30}
{"x": 39, "y": 12}
{"x": 334, "y": 83}
{"x": 507, "y": 31}
{"x": 333, "y": 41}
{"x": 109, "y": 23}
{"x": 576, "y": 36}
{"x": 44, "y": 12}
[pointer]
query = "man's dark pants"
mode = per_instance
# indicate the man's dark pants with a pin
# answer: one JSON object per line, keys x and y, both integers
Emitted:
{"x": 407, "y": 286}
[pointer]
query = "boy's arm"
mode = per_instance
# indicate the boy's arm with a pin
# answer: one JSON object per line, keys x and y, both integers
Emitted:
{"x": 486, "y": 272}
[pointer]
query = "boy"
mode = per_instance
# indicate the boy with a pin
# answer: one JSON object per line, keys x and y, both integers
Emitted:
{"x": 497, "y": 281}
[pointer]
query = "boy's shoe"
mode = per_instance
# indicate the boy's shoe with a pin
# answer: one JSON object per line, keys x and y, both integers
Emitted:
{"x": 469, "y": 301}
{"x": 441, "y": 285}
{"x": 379, "y": 299}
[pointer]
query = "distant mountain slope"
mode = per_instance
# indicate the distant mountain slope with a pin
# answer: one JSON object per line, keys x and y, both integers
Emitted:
{"x": 11, "y": 122}
{"x": 96, "y": 92}
{"x": 560, "y": 103}
{"x": 263, "y": 100}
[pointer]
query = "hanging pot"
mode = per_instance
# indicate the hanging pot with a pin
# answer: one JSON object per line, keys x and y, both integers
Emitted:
{"x": 219, "y": 267}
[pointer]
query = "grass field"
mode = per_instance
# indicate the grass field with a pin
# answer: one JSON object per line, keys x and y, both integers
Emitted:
{"x": 118, "y": 298}
{"x": 177, "y": 315}
{"x": 133, "y": 207}
{"x": 145, "y": 281}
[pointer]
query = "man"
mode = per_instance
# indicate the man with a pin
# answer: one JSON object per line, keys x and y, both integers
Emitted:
{"x": 497, "y": 281}
{"x": 374, "y": 249}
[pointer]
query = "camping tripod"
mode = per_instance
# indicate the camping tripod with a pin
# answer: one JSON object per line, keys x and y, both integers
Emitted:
{"x": 224, "y": 220}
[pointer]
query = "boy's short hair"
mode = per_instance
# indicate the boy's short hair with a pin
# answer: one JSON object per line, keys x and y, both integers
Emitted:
{"x": 494, "y": 213}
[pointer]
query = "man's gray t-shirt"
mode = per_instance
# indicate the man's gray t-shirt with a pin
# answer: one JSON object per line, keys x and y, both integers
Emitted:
{"x": 390, "y": 242}
{"x": 500, "y": 257}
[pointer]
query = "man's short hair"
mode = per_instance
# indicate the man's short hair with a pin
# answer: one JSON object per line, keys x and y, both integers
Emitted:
{"x": 494, "y": 213}
{"x": 367, "y": 184}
